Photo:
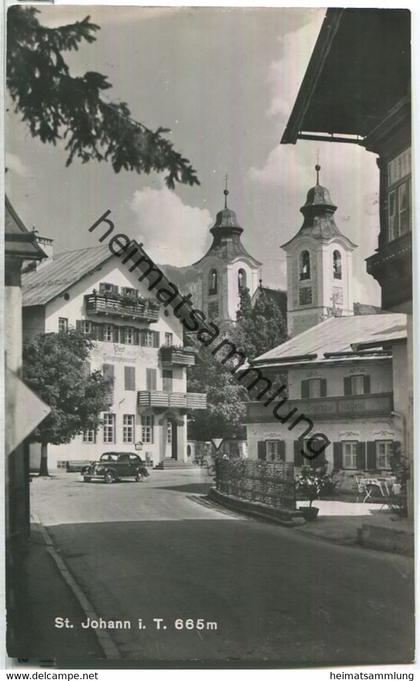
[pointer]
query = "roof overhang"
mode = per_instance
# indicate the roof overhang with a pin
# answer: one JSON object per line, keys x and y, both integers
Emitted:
{"x": 359, "y": 69}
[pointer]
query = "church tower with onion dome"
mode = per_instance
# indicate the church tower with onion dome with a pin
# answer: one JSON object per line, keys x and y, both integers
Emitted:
{"x": 319, "y": 265}
{"x": 226, "y": 269}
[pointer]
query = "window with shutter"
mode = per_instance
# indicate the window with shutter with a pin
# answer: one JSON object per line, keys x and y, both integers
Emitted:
{"x": 371, "y": 456}
{"x": 262, "y": 450}
{"x": 167, "y": 380}
{"x": 304, "y": 387}
{"x": 338, "y": 456}
{"x": 275, "y": 450}
{"x": 361, "y": 456}
{"x": 108, "y": 372}
{"x": 108, "y": 333}
{"x": 350, "y": 455}
{"x": 129, "y": 378}
{"x": 323, "y": 387}
{"x": 282, "y": 450}
{"x": 297, "y": 452}
{"x": 384, "y": 451}
{"x": 366, "y": 385}
{"x": 357, "y": 384}
{"x": 150, "y": 379}
{"x": 156, "y": 339}
{"x": 347, "y": 385}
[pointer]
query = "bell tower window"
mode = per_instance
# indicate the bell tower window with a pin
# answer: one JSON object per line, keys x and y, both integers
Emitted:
{"x": 241, "y": 280}
{"x": 212, "y": 282}
{"x": 304, "y": 266}
{"x": 337, "y": 265}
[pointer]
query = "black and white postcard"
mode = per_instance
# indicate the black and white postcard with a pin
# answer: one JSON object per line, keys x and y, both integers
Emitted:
{"x": 208, "y": 335}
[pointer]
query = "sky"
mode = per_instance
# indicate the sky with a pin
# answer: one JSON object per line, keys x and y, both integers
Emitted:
{"x": 224, "y": 80}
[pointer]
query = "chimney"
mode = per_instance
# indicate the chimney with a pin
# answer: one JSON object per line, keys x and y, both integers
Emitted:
{"x": 48, "y": 248}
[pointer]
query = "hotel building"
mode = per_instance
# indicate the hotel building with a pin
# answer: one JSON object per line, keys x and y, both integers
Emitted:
{"x": 138, "y": 345}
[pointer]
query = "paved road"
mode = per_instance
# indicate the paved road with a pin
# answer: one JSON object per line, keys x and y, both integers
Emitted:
{"x": 158, "y": 550}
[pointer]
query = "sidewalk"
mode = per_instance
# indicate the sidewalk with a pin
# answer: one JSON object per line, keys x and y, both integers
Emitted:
{"x": 38, "y": 594}
{"x": 341, "y": 521}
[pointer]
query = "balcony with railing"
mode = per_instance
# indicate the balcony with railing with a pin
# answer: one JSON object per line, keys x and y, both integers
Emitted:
{"x": 166, "y": 400}
{"x": 171, "y": 355}
{"x": 116, "y": 305}
{"x": 325, "y": 408}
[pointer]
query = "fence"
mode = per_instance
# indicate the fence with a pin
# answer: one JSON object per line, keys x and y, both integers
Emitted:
{"x": 271, "y": 484}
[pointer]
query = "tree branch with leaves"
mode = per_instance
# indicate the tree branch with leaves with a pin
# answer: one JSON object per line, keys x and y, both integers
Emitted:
{"x": 57, "y": 106}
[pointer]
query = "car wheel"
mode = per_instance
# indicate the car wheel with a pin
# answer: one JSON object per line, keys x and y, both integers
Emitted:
{"x": 86, "y": 479}
{"x": 138, "y": 477}
{"x": 109, "y": 477}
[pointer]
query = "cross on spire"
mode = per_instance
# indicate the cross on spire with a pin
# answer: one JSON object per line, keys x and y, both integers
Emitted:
{"x": 226, "y": 190}
{"x": 317, "y": 167}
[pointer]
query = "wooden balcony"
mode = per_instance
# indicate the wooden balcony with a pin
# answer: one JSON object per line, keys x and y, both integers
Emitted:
{"x": 177, "y": 356}
{"x": 113, "y": 306}
{"x": 325, "y": 408}
{"x": 165, "y": 400}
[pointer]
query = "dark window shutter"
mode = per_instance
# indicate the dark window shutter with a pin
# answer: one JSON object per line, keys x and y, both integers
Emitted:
{"x": 115, "y": 334}
{"x": 282, "y": 450}
{"x": 78, "y": 324}
{"x": 371, "y": 456}
{"x": 156, "y": 339}
{"x": 323, "y": 387}
{"x": 99, "y": 331}
{"x": 361, "y": 456}
{"x": 136, "y": 337}
{"x": 298, "y": 457}
{"x": 167, "y": 380}
{"x": 151, "y": 379}
{"x": 366, "y": 386}
{"x": 347, "y": 385}
{"x": 338, "y": 456}
{"x": 305, "y": 389}
{"x": 396, "y": 448}
{"x": 108, "y": 372}
{"x": 129, "y": 378}
{"x": 114, "y": 289}
{"x": 262, "y": 450}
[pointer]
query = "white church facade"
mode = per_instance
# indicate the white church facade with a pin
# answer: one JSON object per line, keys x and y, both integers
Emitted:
{"x": 218, "y": 278}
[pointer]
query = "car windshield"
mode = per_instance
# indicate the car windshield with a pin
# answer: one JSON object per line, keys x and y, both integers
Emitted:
{"x": 109, "y": 457}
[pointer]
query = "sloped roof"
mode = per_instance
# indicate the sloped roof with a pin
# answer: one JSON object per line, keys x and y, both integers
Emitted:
{"x": 277, "y": 296}
{"x": 19, "y": 241}
{"x": 228, "y": 249}
{"x": 64, "y": 270}
{"x": 336, "y": 335}
{"x": 348, "y": 87}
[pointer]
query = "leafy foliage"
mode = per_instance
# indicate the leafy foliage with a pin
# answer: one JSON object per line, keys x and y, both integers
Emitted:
{"x": 54, "y": 366}
{"x": 261, "y": 326}
{"x": 312, "y": 482}
{"x": 56, "y": 105}
{"x": 225, "y": 400}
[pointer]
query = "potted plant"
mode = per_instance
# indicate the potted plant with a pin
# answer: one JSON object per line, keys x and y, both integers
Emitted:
{"x": 309, "y": 485}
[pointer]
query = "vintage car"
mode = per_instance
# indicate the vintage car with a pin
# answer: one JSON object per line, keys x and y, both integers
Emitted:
{"x": 113, "y": 466}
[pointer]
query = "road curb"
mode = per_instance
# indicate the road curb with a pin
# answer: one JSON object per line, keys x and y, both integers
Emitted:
{"x": 107, "y": 645}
